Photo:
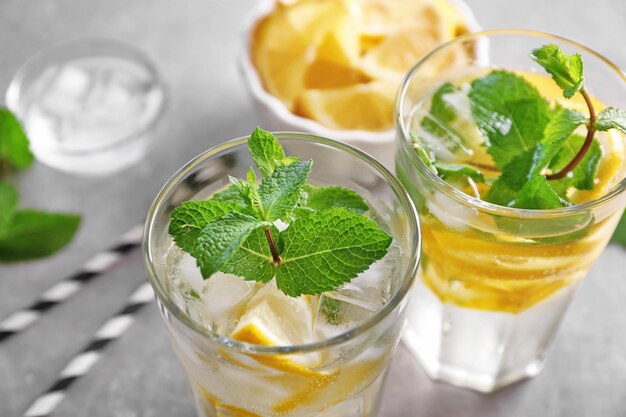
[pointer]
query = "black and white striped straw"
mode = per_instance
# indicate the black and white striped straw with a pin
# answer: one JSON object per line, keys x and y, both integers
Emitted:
{"x": 115, "y": 327}
{"x": 63, "y": 290}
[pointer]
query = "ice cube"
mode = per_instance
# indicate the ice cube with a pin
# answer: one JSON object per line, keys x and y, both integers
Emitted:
{"x": 187, "y": 270}
{"x": 73, "y": 81}
{"x": 222, "y": 294}
{"x": 67, "y": 91}
{"x": 339, "y": 313}
{"x": 372, "y": 288}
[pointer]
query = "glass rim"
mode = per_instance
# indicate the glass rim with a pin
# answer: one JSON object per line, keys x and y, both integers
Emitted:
{"x": 225, "y": 341}
{"x": 474, "y": 202}
{"x": 16, "y": 85}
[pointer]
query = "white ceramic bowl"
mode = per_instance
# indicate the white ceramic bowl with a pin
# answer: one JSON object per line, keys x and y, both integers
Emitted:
{"x": 276, "y": 117}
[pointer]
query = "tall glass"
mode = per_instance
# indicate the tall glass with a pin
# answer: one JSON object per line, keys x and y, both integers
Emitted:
{"x": 337, "y": 376}
{"x": 495, "y": 282}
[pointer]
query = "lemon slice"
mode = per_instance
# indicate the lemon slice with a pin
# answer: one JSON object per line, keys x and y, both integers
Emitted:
{"x": 275, "y": 319}
{"x": 362, "y": 106}
{"x": 284, "y": 43}
{"x": 409, "y": 33}
{"x": 611, "y": 168}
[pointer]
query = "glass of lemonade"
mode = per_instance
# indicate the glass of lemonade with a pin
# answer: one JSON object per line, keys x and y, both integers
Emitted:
{"x": 495, "y": 281}
{"x": 331, "y": 351}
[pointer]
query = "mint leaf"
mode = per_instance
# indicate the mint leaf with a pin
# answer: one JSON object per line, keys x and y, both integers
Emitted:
{"x": 422, "y": 153}
{"x": 13, "y": 141}
{"x": 220, "y": 239}
{"x": 253, "y": 260}
{"x": 525, "y": 167}
{"x": 33, "y": 234}
{"x": 619, "y": 235}
{"x": 451, "y": 172}
{"x": 583, "y": 175}
{"x": 231, "y": 194}
{"x": 326, "y": 249}
{"x": 322, "y": 198}
{"x": 8, "y": 203}
{"x": 188, "y": 219}
{"x": 566, "y": 71}
{"x": 537, "y": 194}
{"x": 611, "y": 118}
{"x": 509, "y": 112}
{"x": 437, "y": 122}
{"x": 439, "y": 107}
{"x": 280, "y": 192}
{"x": 265, "y": 151}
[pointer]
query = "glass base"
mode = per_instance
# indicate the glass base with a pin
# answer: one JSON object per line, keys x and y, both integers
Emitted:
{"x": 479, "y": 349}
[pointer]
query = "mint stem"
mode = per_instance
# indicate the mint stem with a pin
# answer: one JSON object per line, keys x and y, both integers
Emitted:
{"x": 588, "y": 141}
{"x": 4, "y": 168}
{"x": 270, "y": 240}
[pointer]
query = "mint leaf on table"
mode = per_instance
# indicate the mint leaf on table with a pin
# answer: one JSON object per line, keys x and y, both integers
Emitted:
{"x": 510, "y": 113}
{"x": 8, "y": 203}
{"x": 337, "y": 241}
{"x": 566, "y": 70}
{"x": 221, "y": 238}
{"x": 327, "y": 237}
{"x": 14, "y": 147}
{"x": 323, "y": 198}
{"x": 281, "y": 191}
{"x": 25, "y": 234}
{"x": 33, "y": 234}
{"x": 611, "y": 118}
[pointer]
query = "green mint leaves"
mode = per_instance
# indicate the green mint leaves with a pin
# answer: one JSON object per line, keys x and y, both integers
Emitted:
{"x": 14, "y": 148}
{"x": 25, "y": 234}
{"x": 566, "y": 70}
{"x": 336, "y": 241}
{"x": 611, "y": 118}
{"x": 33, "y": 234}
{"x": 537, "y": 155}
{"x": 511, "y": 114}
{"x": 327, "y": 240}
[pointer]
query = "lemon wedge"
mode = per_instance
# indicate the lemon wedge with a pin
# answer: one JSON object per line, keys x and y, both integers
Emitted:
{"x": 311, "y": 52}
{"x": 362, "y": 106}
{"x": 275, "y": 319}
{"x": 285, "y": 43}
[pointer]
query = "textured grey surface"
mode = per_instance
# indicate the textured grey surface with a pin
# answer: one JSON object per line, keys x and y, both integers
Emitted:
{"x": 195, "y": 43}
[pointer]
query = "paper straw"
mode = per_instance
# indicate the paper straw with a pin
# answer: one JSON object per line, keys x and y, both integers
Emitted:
{"x": 63, "y": 290}
{"x": 80, "y": 365}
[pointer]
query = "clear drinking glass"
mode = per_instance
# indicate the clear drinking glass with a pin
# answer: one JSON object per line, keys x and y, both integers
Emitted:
{"x": 339, "y": 375}
{"x": 495, "y": 282}
{"x": 90, "y": 107}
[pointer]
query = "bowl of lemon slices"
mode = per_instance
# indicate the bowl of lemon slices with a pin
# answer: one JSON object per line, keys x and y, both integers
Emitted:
{"x": 332, "y": 67}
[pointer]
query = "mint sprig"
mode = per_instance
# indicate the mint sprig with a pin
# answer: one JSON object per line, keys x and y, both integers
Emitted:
{"x": 566, "y": 70}
{"x": 25, "y": 234}
{"x": 14, "y": 146}
{"x": 327, "y": 242}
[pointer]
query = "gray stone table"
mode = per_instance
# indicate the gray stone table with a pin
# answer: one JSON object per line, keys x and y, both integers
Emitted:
{"x": 195, "y": 43}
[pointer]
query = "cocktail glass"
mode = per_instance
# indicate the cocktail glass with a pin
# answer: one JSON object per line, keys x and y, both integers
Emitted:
{"x": 495, "y": 282}
{"x": 339, "y": 374}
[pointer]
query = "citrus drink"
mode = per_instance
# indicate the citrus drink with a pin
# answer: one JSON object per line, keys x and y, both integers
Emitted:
{"x": 495, "y": 281}
{"x": 250, "y": 350}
